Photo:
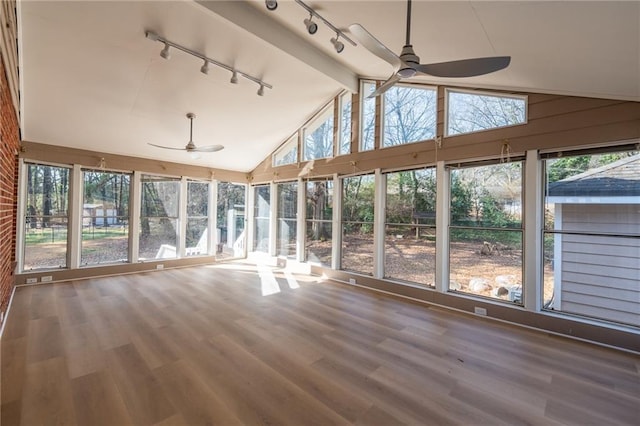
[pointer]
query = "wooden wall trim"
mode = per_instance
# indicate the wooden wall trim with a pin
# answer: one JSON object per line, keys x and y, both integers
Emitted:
{"x": 32, "y": 151}
{"x": 114, "y": 269}
{"x": 9, "y": 49}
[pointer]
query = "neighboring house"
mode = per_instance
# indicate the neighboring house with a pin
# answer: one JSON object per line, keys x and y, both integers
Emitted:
{"x": 594, "y": 275}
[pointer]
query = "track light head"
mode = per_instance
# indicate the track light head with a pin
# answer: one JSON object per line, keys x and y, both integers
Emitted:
{"x": 234, "y": 77}
{"x": 337, "y": 44}
{"x": 165, "y": 52}
{"x": 271, "y": 4}
{"x": 261, "y": 90}
{"x": 204, "y": 69}
{"x": 312, "y": 27}
{"x": 151, "y": 35}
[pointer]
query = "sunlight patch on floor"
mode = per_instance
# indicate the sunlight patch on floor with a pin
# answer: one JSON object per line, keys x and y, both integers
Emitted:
{"x": 291, "y": 280}
{"x": 268, "y": 283}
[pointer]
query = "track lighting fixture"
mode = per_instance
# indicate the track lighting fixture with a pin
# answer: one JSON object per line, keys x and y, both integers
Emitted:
{"x": 208, "y": 61}
{"x": 271, "y": 4}
{"x": 204, "y": 69}
{"x": 165, "y": 52}
{"x": 337, "y": 44}
{"x": 312, "y": 27}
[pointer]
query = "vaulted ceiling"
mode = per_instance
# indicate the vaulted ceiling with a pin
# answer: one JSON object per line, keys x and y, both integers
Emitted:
{"x": 91, "y": 80}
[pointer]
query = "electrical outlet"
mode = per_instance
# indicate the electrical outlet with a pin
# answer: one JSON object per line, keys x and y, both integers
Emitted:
{"x": 352, "y": 280}
{"x": 32, "y": 280}
{"x": 160, "y": 266}
{"x": 46, "y": 278}
{"x": 480, "y": 311}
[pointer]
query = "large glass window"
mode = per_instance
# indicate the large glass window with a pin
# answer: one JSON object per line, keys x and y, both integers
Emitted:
{"x": 592, "y": 235}
{"x": 288, "y": 153}
{"x": 358, "y": 195}
{"x": 319, "y": 201}
{"x": 410, "y": 226}
{"x": 318, "y": 136}
{"x": 471, "y": 112}
{"x": 261, "y": 217}
{"x": 105, "y": 217}
{"x": 485, "y": 233}
{"x": 197, "y": 236}
{"x": 231, "y": 220}
{"x": 46, "y": 217}
{"x": 287, "y": 218}
{"x": 367, "y": 116}
{"x": 159, "y": 217}
{"x": 409, "y": 115}
{"x": 344, "y": 146}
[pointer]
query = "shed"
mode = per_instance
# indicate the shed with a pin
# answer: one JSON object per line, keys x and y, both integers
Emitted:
{"x": 598, "y": 275}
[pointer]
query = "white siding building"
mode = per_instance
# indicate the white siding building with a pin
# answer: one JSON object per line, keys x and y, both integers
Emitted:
{"x": 597, "y": 252}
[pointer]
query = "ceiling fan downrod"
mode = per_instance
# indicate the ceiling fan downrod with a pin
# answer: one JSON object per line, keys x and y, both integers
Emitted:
{"x": 408, "y": 36}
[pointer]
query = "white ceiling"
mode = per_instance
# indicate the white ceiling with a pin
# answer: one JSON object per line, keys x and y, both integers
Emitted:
{"x": 91, "y": 80}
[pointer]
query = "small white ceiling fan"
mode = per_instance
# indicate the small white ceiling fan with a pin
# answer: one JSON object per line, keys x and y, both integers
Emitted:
{"x": 408, "y": 63}
{"x": 191, "y": 147}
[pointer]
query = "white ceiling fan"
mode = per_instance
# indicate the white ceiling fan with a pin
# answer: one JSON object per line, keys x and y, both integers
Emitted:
{"x": 191, "y": 147}
{"x": 408, "y": 63}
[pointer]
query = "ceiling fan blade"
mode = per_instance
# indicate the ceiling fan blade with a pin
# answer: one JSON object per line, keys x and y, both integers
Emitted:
{"x": 465, "y": 67}
{"x": 374, "y": 46}
{"x": 165, "y": 147}
{"x": 385, "y": 86}
{"x": 209, "y": 148}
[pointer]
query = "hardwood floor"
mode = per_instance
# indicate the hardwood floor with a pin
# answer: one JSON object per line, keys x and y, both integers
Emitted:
{"x": 203, "y": 346}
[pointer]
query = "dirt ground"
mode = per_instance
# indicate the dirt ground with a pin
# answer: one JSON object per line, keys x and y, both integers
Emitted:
{"x": 413, "y": 261}
{"x": 406, "y": 260}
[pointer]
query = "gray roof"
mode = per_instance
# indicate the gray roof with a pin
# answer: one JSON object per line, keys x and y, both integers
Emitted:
{"x": 618, "y": 179}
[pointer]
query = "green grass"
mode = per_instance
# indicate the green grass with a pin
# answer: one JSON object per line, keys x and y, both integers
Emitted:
{"x": 46, "y": 236}
{"x": 59, "y": 235}
{"x": 507, "y": 237}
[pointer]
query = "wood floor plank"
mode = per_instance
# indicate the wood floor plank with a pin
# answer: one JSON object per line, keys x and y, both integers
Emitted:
{"x": 435, "y": 401}
{"x": 82, "y": 350}
{"x": 41, "y": 305}
{"x": 384, "y": 396}
{"x": 237, "y": 394}
{"x": 375, "y": 416}
{"x": 98, "y": 402}
{"x": 141, "y": 391}
{"x": 617, "y": 407}
{"x": 44, "y": 339}
{"x": 175, "y": 420}
{"x": 197, "y": 403}
{"x": 297, "y": 370}
{"x": 10, "y": 412}
{"x": 70, "y": 309}
{"x": 202, "y": 345}
{"x": 287, "y": 401}
{"x": 46, "y": 397}
{"x": 14, "y": 360}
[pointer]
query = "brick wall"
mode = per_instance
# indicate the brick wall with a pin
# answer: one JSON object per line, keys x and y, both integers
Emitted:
{"x": 9, "y": 146}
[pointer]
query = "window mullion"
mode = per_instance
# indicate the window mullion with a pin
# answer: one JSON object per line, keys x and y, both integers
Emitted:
{"x": 134, "y": 217}
{"x": 336, "y": 225}
{"x": 75, "y": 219}
{"x": 22, "y": 214}
{"x": 181, "y": 229}
{"x": 301, "y": 222}
{"x": 442, "y": 227}
{"x": 378, "y": 224}
{"x": 532, "y": 282}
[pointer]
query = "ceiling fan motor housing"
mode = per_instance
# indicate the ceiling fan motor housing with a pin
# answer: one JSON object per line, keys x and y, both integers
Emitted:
{"x": 410, "y": 62}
